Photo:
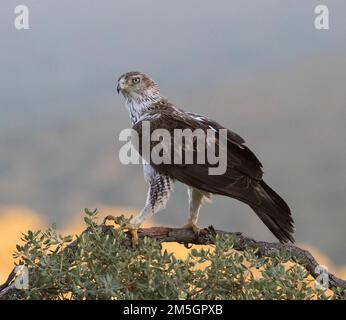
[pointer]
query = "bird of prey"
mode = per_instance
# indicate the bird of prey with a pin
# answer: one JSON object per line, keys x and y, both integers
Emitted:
{"x": 242, "y": 179}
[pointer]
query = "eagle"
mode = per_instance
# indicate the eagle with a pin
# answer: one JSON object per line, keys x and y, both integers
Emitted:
{"x": 242, "y": 179}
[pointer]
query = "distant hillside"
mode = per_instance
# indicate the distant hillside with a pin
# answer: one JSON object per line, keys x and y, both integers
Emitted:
{"x": 294, "y": 120}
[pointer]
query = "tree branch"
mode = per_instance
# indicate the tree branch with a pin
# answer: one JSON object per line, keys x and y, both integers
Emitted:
{"x": 185, "y": 236}
{"x": 241, "y": 242}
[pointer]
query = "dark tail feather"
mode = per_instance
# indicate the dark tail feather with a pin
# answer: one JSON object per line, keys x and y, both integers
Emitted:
{"x": 274, "y": 212}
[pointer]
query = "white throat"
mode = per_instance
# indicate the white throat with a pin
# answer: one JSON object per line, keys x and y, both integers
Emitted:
{"x": 137, "y": 107}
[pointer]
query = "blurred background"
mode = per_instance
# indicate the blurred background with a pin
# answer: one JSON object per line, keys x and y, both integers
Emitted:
{"x": 258, "y": 67}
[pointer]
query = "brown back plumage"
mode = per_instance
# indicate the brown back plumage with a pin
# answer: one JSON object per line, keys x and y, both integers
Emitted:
{"x": 242, "y": 179}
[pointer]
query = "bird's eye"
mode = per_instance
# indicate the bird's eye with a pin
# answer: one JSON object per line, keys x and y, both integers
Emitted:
{"x": 135, "y": 80}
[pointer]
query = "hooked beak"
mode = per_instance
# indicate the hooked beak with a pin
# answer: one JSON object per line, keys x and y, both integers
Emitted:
{"x": 118, "y": 88}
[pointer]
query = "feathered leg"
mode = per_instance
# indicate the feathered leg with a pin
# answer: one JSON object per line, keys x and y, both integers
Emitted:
{"x": 196, "y": 198}
{"x": 160, "y": 189}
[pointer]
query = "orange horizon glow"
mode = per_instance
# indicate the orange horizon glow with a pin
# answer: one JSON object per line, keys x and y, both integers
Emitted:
{"x": 16, "y": 220}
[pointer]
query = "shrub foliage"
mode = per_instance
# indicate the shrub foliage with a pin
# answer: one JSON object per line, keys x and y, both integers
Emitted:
{"x": 98, "y": 265}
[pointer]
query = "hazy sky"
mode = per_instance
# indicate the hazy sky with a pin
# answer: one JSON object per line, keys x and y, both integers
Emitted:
{"x": 80, "y": 47}
{"x": 259, "y": 66}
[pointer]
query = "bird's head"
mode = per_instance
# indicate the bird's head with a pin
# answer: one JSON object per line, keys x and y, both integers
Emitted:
{"x": 137, "y": 86}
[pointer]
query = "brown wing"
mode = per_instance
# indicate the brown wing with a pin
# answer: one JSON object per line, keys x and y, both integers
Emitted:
{"x": 242, "y": 179}
{"x": 239, "y": 153}
{"x": 239, "y": 157}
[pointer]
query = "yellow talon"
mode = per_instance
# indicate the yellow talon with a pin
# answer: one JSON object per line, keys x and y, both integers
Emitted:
{"x": 193, "y": 227}
{"x": 109, "y": 218}
{"x": 133, "y": 231}
{"x": 134, "y": 237}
